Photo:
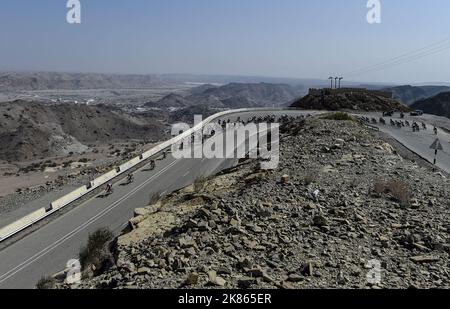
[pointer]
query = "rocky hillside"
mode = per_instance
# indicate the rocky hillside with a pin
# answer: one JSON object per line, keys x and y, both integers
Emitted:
{"x": 170, "y": 101}
{"x": 187, "y": 114}
{"x": 251, "y": 229}
{"x": 234, "y": 95}
{"x": 327, "y": 100}
{"x": 411, "y": 94}
{"x": 438, "y": 105}
{"x": 31, "y": 131}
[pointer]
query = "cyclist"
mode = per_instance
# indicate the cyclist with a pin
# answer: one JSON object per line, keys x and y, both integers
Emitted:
{"x": 130, "y": 177}
{"x": 109, "y": 188}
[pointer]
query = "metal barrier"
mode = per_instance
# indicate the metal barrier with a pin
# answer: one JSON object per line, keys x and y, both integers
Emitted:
{"x": 29, "y": 220}
{"x": 370, "y": 126}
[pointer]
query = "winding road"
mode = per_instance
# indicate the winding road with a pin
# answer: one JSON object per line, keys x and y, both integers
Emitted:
{"x": 48, "y": 249}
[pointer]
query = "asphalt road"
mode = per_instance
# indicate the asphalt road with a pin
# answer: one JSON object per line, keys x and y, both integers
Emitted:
{"x": 419, "y": 142}
{"x": 47, "y": 250}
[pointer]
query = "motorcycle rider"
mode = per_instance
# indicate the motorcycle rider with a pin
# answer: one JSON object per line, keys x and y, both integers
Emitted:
{"x": 109, "y": 188}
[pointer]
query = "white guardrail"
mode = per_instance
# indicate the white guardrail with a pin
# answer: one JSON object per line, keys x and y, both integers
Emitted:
{"x": 27, "y": 221}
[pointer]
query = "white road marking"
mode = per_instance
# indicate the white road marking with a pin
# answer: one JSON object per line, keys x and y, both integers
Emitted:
{"x": 46, "y": 250}
{"x": 187, "y": 173}
{"x": 49, "y": 248}
{"x": 163, "y": 193}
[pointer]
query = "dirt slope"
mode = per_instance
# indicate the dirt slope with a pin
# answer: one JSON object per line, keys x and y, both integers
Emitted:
{"x": 32, "y": 131}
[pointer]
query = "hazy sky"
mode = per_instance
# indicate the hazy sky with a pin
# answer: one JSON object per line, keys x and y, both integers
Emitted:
{"x": 281, "y": 38}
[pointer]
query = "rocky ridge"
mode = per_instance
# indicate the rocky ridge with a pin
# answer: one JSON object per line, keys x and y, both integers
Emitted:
{"x": 348, "y": 100}
{"x": 233, "y": 95}
{"x": 438, "y": 105}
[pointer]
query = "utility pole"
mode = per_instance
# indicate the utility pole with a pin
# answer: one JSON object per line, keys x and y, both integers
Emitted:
{"x": 335, "y": 82}
{"x": 331, "y": 78}
{"x": 340, "y": 78}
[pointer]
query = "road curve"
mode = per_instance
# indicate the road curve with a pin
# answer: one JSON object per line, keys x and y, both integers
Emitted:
{"x": 47, "y": 250}
{"x": 418, "y": 142}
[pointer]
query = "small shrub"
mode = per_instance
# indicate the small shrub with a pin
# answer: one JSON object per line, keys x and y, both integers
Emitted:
{"x": 94, "y": 253}
{"x": 199, "y": 184}
{"x": 310, "y": 178}
{"x": 154, "y": 198}
{"x": 354, "y": 183}
{"x": 338, "y": 116}
{"x": 399, "y": 191}
{"x": 379, "y": 187}
{"x": 46, "y": 283}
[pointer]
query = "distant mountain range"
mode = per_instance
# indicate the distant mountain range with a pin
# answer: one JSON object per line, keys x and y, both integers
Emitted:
{"x": 411, "y": 94}
{"x": 217, "y": 91}
{"x": 29, "y": 81}
{"x": 438, "y": 105}
{"x": 19, "y": 81}
{"x": 233, "y": 95}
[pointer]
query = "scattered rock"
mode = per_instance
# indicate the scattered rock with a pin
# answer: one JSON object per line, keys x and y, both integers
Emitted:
{"x": 246, "y": 282}
{"x": 214, "y": 279}
{"x": 295, "y": 278}
{"x": 285, "y": 179}
{"x": 320, "y": 221}
{"x": 425, "y": 259}
{"x": 253, "y": 232}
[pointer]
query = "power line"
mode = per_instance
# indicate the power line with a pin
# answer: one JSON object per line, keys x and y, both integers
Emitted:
{"x": 405, "y": 58}
{"x": 402, "y": 61}
{"x": 411, "y": 53}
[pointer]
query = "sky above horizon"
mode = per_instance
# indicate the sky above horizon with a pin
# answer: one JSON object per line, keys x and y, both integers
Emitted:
{"x": 277, "y": 38}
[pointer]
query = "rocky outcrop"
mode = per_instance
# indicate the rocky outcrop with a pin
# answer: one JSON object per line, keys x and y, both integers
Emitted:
{"x": 319, "y": 221}
{"x": 348, "y": 100}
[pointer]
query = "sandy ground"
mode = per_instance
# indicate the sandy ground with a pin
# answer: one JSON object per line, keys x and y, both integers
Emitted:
{"x": 97, "y": 158}
{"x": 97, "y": 96}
